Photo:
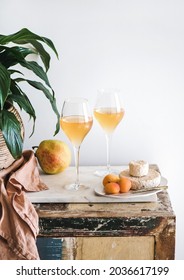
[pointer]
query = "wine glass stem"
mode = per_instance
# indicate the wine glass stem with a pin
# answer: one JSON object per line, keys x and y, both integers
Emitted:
{"x": 108, "y": 143}
{"x": 76, "y": 156}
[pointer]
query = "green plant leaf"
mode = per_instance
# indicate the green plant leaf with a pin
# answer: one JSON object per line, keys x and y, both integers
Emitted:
{"x": 21, "y": 99}
{"x": 4, "y": 85}
{"x": 47, "y": 93}
{"x": 25, "y": 36}
{"x": 23, "y": 102}
{"x": 45, "y": 57}
{"x": 51, "y": 98}
{"x": 2, "y": 48}
{"x": 13, "y": 55}
{"x": 9, "y": 58}
{"x": 12, "y": 71}
{"x": 37, "y": 69}
{"x": 11, "y": 131}
{"x": 21, "y": 51}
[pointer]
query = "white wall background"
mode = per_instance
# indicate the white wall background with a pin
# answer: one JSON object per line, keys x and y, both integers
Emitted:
{"x": 136, "y": 46}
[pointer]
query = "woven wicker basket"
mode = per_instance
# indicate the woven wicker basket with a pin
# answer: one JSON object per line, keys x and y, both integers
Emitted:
{"x": 6, "y": 158}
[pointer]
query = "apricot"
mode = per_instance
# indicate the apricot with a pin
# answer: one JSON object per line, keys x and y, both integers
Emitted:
{"x": 110, "y": 178}
{"x": 125, "y": 185}
{"x": 112, "y": 188}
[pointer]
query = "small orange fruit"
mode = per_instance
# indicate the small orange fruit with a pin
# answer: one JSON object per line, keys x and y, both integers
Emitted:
{"x": 110, "y": 178}
{"x": 112, "y": 188}
{"x": 125, "y": 184}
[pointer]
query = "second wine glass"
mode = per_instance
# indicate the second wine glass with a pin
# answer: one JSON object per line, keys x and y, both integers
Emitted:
{"x": 109, "y": 112}
{"x": 76, "y": 122}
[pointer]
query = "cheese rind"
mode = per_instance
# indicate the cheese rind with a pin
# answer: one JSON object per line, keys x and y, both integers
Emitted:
{"x": 152, "y": 179}
{"x": 138, "y": 168}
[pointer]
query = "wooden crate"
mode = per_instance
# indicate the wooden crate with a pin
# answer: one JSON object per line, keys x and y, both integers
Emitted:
{"x": 111, "y": 230}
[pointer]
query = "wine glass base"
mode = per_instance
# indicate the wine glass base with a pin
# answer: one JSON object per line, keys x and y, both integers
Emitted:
{"x": 104, "y": 172}
{"x": 75, "y": 187}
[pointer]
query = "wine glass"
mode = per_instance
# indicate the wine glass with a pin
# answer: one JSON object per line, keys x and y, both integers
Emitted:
{"x": 76, "y": 121}
{"x": 108, "y": 112}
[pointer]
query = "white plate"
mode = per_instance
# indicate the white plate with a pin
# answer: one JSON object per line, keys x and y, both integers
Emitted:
{"x": 99, "y": 190}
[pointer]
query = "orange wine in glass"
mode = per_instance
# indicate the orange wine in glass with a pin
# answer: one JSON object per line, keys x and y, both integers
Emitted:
{"x": 76, "y": 121}
{"x": 108, "y": 112}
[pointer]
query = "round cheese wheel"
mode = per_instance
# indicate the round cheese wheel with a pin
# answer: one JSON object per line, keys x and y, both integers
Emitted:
{"x": 152, "y": 179}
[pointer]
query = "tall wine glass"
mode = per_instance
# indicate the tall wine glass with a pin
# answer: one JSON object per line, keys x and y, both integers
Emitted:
{"x": 76, "y": 122}
{"x": 109, "y": 112}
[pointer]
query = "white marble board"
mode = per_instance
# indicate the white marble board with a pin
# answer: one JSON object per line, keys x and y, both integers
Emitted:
{"x": 58, "y": 194}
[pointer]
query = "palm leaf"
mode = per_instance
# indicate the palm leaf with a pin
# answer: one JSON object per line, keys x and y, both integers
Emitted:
{"x": 4, "y": 85}
{"x": 21, "y": 99}
{"x": 45, "y": 57}
{"x": 37, "y": 69}
{"x": 51, "y": 98}
{"x": 25, "y": 36}
{"x": 12, "y": 71}
{"x": 13, "y": 55}
{"x": 23, "y": 102}
{"x": 11, "y": 131}
{"x": 9, "y": 88}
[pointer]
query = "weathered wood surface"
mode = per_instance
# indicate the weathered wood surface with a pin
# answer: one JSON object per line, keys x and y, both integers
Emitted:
{"x": 103, "y": 220}
{"x": 97, "y": 248}
{"x": 114, "y": 248}
{"x": 123, "y": 220}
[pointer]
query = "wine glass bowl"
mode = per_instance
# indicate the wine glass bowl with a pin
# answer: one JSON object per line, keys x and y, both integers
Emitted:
{"x": 108, "y": 112}
{"x": 76, "y": 121}
{"x": 108, "y": 118}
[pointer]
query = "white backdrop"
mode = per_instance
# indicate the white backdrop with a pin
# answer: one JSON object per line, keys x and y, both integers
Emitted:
{"x": 136, "y": 46}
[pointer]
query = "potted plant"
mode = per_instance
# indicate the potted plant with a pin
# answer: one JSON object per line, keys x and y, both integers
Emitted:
{"x": 15, "y": 51}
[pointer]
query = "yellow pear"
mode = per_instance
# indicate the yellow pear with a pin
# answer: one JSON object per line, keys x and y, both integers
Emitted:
{"x": 54, "y": 156}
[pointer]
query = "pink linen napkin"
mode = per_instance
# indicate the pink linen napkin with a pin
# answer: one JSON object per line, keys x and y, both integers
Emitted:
{"x": 18, "y": 217}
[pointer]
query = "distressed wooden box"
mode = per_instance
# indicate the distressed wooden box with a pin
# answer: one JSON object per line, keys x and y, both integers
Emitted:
{"x": 109, "y": 230}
